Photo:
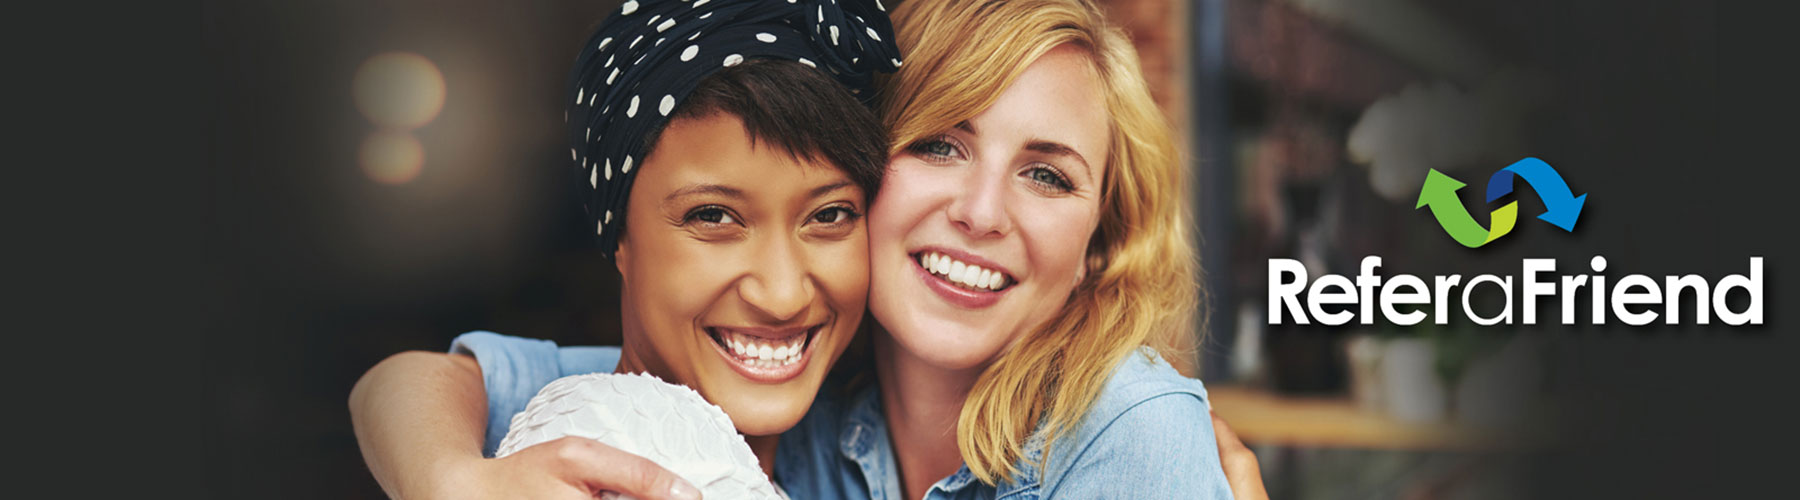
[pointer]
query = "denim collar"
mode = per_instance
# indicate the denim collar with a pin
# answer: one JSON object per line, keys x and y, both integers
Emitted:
{"x": 865, "y": 441}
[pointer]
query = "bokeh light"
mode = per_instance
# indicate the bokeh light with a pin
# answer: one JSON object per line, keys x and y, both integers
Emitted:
{"x": 392, "y": 157}
{"x": 399, "y": 90}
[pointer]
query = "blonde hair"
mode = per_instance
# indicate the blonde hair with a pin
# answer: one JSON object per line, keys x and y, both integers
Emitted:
{"x": 1140, "y": 287}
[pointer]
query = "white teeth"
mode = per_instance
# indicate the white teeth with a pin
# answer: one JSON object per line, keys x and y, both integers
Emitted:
{"x": 955, "y": 271}
{"x": 759, "y": 351}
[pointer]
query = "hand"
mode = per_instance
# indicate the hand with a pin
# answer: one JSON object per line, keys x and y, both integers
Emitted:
{"x": 570, "y": 467}
{"x": 1241, "y": 469}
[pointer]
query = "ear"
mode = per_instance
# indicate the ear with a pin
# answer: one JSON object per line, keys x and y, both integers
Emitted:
{"x": 622, "y": 260}
{"x": 1092, "y": 264}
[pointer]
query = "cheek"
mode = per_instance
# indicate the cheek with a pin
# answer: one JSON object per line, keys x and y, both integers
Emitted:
{"x": 843, "y": 271}
{"x": 1056, "y": 237}
{"x": 907, "y": 193}
{"x": 673, "y": 292}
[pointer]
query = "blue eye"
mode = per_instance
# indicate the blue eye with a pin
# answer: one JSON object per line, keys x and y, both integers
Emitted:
{"x": 1049, "y": 177}
{"x": 935, "y": 149}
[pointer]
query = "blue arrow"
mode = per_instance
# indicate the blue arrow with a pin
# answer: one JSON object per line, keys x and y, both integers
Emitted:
{"x": 1561, "y": 206}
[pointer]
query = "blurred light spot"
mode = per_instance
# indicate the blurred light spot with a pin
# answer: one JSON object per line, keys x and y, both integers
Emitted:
{"x": 399, "y": 90}
{"x": 391, "y": 157}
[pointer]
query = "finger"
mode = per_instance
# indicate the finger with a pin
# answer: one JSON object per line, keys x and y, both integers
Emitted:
{"x": 1242, "y": 472}
{"x": 605, "y": 468}
{"x": 1222, "y": 431}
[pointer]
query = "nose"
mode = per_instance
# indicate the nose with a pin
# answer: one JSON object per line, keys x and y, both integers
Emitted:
{"x": 979, "y": 209}
{"x": 780, "y": 283}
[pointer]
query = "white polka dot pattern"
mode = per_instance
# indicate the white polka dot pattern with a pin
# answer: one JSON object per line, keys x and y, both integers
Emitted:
{"x": 848, "y": 39}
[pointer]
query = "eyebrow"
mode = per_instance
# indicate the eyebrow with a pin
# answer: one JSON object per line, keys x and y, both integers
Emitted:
{"x": 1055, "y": 149}
{"x": 1039, "y": 146}
{"x": 738, "y": 194}
{"x": 823, "y": 190}
{"x": 700, "y": 189}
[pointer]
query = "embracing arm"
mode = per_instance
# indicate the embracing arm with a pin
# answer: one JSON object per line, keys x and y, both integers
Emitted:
{"x": 417, "y": 414}
{"x": 420, "y": 419}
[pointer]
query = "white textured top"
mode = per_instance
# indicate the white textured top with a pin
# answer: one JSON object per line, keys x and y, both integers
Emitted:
{"x": 640, "y": 414}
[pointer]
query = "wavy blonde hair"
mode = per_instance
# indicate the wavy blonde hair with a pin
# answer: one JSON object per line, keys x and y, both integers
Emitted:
{"x": 1141, "y": 286}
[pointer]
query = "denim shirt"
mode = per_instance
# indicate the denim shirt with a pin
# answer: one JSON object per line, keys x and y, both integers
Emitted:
{"x": 1147, "y": 435}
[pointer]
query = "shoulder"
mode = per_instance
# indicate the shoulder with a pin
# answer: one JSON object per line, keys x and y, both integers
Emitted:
{"x": 1142, "y": 387}
{"x": 1148, "y": 428}
{"x": 505, "y": 353}
{"x": 1143, "y": 376}
{"x": 513, "y": 369}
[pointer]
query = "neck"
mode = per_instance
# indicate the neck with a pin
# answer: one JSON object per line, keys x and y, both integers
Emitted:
{"x": 921, "y": 404}
{"x": 764, "y": 448}
{"x": 630, "y": 361}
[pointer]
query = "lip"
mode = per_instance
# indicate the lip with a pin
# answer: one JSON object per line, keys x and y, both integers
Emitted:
{"x": 768, "y": 374}
{"x": 956, "y": 295}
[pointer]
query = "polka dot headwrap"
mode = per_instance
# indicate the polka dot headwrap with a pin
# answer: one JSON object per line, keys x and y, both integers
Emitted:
{"x": 645, "y": 59}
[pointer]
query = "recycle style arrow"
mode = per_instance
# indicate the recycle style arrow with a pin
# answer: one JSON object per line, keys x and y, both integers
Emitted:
{"x": 1439, "y": 193}
{"x": 1561, "y": 206}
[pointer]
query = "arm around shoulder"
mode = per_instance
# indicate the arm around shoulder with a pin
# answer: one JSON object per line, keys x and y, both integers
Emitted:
{"x": 416, "y": 415}
{"x": 421, "y": 418}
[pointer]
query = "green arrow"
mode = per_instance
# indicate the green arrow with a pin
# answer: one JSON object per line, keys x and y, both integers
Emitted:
{"x": 1439, "y": 193}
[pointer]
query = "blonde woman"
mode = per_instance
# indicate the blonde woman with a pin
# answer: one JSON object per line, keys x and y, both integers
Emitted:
{"x": 1029, "y": 254}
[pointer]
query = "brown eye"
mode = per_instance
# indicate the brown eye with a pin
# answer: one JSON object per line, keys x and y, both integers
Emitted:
{"x": 834, "y": 222}
{"x": 711, "y": 215}
{"x": 834, "y": 215}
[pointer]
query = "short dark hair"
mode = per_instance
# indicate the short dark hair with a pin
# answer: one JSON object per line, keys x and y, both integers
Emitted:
{"x": 797, "y": 108}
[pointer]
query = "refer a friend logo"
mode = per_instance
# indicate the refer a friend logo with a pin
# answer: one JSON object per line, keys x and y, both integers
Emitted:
{"x": 1296, "y": 295}
{"x": 1562, "y": 207}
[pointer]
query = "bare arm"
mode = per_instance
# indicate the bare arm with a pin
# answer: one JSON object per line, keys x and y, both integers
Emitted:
{"x": 420, "y": 420}
{"x": 416, "y": 414}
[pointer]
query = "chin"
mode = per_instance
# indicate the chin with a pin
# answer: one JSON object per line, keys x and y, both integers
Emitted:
{"x": 766, "y": 415}
{"x": 947, "y": 345}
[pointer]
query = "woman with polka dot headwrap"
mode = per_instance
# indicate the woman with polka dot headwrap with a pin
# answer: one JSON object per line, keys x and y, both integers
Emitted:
{"x": 725, "y": 160}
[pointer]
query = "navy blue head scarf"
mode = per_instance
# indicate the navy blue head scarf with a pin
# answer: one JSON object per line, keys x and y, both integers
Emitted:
{"x": 644, "y": 60}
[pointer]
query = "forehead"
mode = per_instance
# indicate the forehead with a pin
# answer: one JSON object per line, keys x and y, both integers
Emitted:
{"x": 717, "y": 149}
{"x": 1058, "y": 98}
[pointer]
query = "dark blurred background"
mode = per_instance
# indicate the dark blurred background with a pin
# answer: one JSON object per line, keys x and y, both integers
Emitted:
{"x": 387, "y": 175}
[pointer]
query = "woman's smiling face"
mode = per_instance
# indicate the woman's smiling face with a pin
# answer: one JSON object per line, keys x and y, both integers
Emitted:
{"x": 980, "y": 232}
{"x": 745, "y": 270}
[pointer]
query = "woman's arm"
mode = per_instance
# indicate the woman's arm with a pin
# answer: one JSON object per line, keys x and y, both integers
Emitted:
{"x": 420, "y": 420}
{"x": 415, "y": 415}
